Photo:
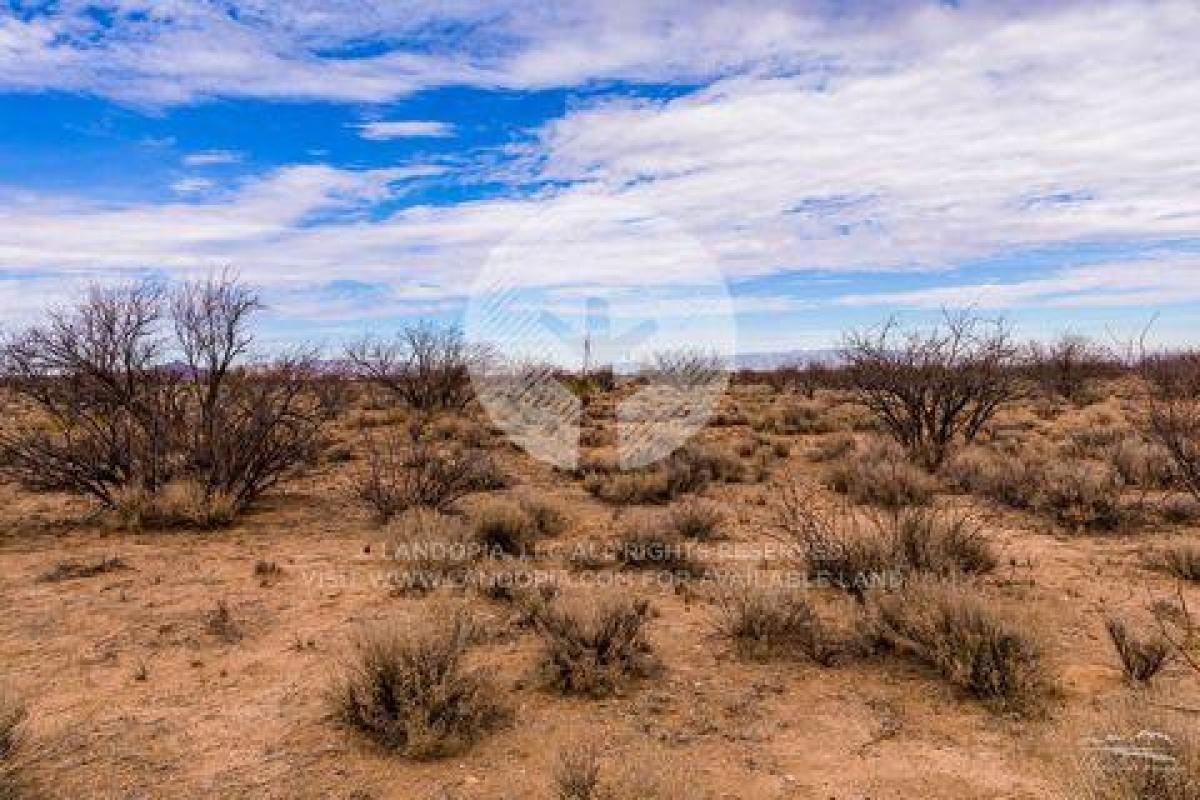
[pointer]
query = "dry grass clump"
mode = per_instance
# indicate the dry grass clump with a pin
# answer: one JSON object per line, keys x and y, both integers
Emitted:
{"x": 833, "y": 447}
{"x": 685, "y": 471}
{"x": 696, "y": 520}
{"x": 939, "y": 544}
{"x": 12, "y": 735}
{"x": 594, "y": 647}
{"x": 182, "y": 504}
{"x": 503, "y": 527}
{"x": 881, "y": 474}
{"x": 957, "y": 634}
{"x": 1007, "y": 478}
{"x": 767, "y": 622}
{"x": 430, "y": 549}
{"x": 1178, "y": 560}
{"x": 1142, "y": 463}
{"x": 582, "y": 774}
{"x": 1141, "y": 656}
{"x": 410, "y": 691}
{"x": 797, "y": 418}
{"x": 1144, "y": 755}
{"x": 1083, "y": 495}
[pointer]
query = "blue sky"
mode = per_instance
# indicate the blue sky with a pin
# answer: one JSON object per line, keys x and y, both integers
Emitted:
{"x": 834, "y": 162}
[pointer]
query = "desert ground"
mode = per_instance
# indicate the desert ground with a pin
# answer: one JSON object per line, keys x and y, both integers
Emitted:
{"x": 167, "y": 661}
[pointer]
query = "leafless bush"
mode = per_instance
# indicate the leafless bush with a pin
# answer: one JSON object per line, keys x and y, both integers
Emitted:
{"x": 930, "y": 389}
{"x": 411, "y": 693}
{"x": 1141, "y": 656}
{"x": 958, "y": 635}
{"x": 593, "y": 648}
{"x": 109, "y": 414}
{"x": 403, "y": 471}
{"x": 932, "y": 543}
{"x": 1174, "y": 419}
{"x": 1070, "y": 366}
{"x": 426, "y": 367}
{"x": 577, "y": 775}
{"x": 430, "y": 549}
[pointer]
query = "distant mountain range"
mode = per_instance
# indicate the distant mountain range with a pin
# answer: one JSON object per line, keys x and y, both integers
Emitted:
{"x": 784, "y": 358}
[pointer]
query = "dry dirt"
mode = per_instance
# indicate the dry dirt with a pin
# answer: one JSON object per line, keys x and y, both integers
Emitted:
{"x": 133, "y": 695}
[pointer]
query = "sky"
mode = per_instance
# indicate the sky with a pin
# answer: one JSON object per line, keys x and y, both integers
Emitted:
{"x": 833, "y": 163}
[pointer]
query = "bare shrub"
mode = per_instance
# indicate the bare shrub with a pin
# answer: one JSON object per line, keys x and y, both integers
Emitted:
{"x": 930, "y": 389}
{"x": 1070, "y": 366}
{"x": 1178, "y": 560}
{"x": 547, "y": 517}
{"x": 108, "y": 414}
{"x": 958, "y": 635}
{"x": 426, "y": 367}
{"x": 799, "y": 417}
{"x": 833, "y": 447}
{"x": 594, "y": 647}
{"x": 1141, "y": 656}
{"x": 1143, "y": 755}
{"x": 766, "y": 622}
{"x": 581, "y": 774}
{"x": 410, "y": 691}
{"x": 407, "y": 471}
{"x": 1174, "y": 419}
{"x": 881, "y": 474}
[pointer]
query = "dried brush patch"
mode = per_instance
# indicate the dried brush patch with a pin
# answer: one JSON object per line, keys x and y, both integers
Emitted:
{"x": 955, "y": 633}
{"x": 945, "y": 545}
{"x": 581, "y": 773}
{"x": 765, "y": 622}
{"x": 503, "y": 527}
{"x": 595, "y": 647}
{"x": 1178, "y": 560}
{"x": 1145, "y": 755}
{"x": 403, "y": 474}
{"x": 856, "y": 554}
{"x": 643, "y": 546}
{"x": 430, "y": 549}
{"x": 1142, "y": 657}
{"x": 685, "y": 471}
{"x": 881, "y": 474}
{"x": 411, "y": 693}
{"x": 12, "y": 737}
{"x": 696, "y": 520}
{"x": 74, "y": 570}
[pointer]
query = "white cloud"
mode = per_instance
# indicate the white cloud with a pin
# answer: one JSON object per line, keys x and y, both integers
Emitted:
{"x": 208, "y": 158}
{"x": 915, "y": 142}
{"x": 400, "y": 129}
{"x": 192, "y": 185}
{"x": 1147, "y": 282}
